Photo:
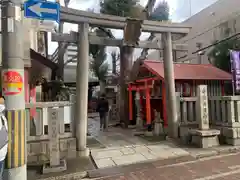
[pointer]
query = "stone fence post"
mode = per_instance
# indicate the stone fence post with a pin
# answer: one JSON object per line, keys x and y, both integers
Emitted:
{"x": 55, "y": 165}
{"x": 178, "y": 119}
{"x": 139, "y": 122}
{"x": 72, "y": 99}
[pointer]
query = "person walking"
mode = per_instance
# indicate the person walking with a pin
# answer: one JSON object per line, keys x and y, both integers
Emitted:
{"x": 102, "y": 109}
{"x": 3, "y": 136}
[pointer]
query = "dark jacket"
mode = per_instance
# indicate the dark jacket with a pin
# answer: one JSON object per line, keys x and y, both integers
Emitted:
{"x": 102, "y": 106}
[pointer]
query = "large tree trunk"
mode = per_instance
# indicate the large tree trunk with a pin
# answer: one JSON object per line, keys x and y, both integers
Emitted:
{"x": 114, "y": 66}
{"x": 102, "y": 87}
{"x": 126, "y": 55}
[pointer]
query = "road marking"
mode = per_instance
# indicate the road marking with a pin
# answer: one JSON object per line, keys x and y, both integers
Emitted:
{"x": 219, "y": 175}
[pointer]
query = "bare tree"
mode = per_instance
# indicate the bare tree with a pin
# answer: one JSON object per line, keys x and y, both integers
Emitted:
{"x": 115, "y": 62}
{"x": 99, "y": 66}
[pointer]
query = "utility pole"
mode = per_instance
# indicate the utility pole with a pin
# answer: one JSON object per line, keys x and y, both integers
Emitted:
{"x": 13, "y": 88}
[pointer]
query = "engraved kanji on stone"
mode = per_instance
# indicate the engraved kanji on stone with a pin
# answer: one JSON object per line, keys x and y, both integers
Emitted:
{"x": 54, "y": 123}
{"x": 204, "y": 104}
{"x": 54, "y": 116}
{"x": 205, "y": 98}
{"x": 205, "y": 121}
{"x": 205, "y": 110}
{"x": 54, "y": 148}
{"x": 54, "y": 138}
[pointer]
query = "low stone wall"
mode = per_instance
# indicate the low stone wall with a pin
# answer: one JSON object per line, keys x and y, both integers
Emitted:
{"x": 183, "y": 132}
{"x": 38, "y": 151}
{"x": 225, "y": 116}
{"x": 229, "y": 135}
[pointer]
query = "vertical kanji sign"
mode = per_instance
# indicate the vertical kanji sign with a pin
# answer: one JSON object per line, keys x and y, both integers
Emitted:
{"x": 235, "y": 62}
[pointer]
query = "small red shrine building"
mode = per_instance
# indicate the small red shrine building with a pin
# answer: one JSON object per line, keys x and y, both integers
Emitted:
{"x": 147, "y": 78}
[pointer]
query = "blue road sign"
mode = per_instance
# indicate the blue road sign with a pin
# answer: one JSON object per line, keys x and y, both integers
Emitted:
{"x": 44, "y": 10}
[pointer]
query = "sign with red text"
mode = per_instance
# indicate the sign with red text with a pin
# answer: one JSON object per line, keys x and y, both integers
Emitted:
{"x": 12, "y": 83}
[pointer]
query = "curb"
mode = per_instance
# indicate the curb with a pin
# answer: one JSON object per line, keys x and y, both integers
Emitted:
{"x": 72, "y": 176}
{"x": 216, "y": 152}
{"x": 92, "y": 160}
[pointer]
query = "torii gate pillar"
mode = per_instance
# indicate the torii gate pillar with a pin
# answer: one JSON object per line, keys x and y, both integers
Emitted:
{"x": 169, "y": 81}
{"x": 81, "y": 115}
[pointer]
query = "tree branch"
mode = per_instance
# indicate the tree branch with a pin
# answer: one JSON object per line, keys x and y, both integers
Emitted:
{"x": 107, "y": 31}
{"x": 163, "y": 9}
{"x": 148, "y": 9}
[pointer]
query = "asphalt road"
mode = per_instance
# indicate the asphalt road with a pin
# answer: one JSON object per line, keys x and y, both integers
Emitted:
{"x": 224, "y": 167}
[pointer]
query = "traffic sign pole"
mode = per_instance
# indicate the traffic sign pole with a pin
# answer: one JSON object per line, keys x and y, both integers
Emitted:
{"x": 13, "y": 89}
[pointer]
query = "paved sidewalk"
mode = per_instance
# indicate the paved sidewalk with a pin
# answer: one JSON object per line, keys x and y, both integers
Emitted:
{"x": 122, "y": 147}
{"x": 224, "y": 167}
{"x": 136, "y": 153}
{"x": 119, "y": 147}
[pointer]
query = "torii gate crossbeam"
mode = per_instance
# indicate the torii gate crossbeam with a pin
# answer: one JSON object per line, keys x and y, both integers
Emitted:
{"x": 115, "y": 22}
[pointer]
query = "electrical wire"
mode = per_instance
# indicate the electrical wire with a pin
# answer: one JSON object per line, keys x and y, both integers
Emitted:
{"x": 235, "y": 36}
{"x": 218, "y": 42}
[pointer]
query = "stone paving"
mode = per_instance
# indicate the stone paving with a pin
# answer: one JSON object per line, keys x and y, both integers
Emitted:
{"x": 134, "y": 154}
{"x": 122, "y": 148}
{"x": 119, "y": 147}
{"x": 224, "y": 167}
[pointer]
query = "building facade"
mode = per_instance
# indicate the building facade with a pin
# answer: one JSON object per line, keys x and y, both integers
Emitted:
{"x": 214, "y": 23}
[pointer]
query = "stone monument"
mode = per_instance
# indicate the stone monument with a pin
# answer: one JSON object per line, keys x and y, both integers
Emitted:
{"x": 55, "y": 164}
{"x": 203, "y": 137}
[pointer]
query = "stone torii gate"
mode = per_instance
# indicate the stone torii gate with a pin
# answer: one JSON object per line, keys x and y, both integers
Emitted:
{"x": 83, "y": 38}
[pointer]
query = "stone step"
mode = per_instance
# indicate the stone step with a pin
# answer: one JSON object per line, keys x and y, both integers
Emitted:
{"x": 118, "y": 170}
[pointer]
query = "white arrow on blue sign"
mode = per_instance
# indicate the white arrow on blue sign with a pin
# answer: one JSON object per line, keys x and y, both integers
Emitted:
{"x": 44, "y": 10}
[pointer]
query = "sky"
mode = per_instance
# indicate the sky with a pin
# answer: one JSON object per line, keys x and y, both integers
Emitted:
{"x": 180, "y": 10}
